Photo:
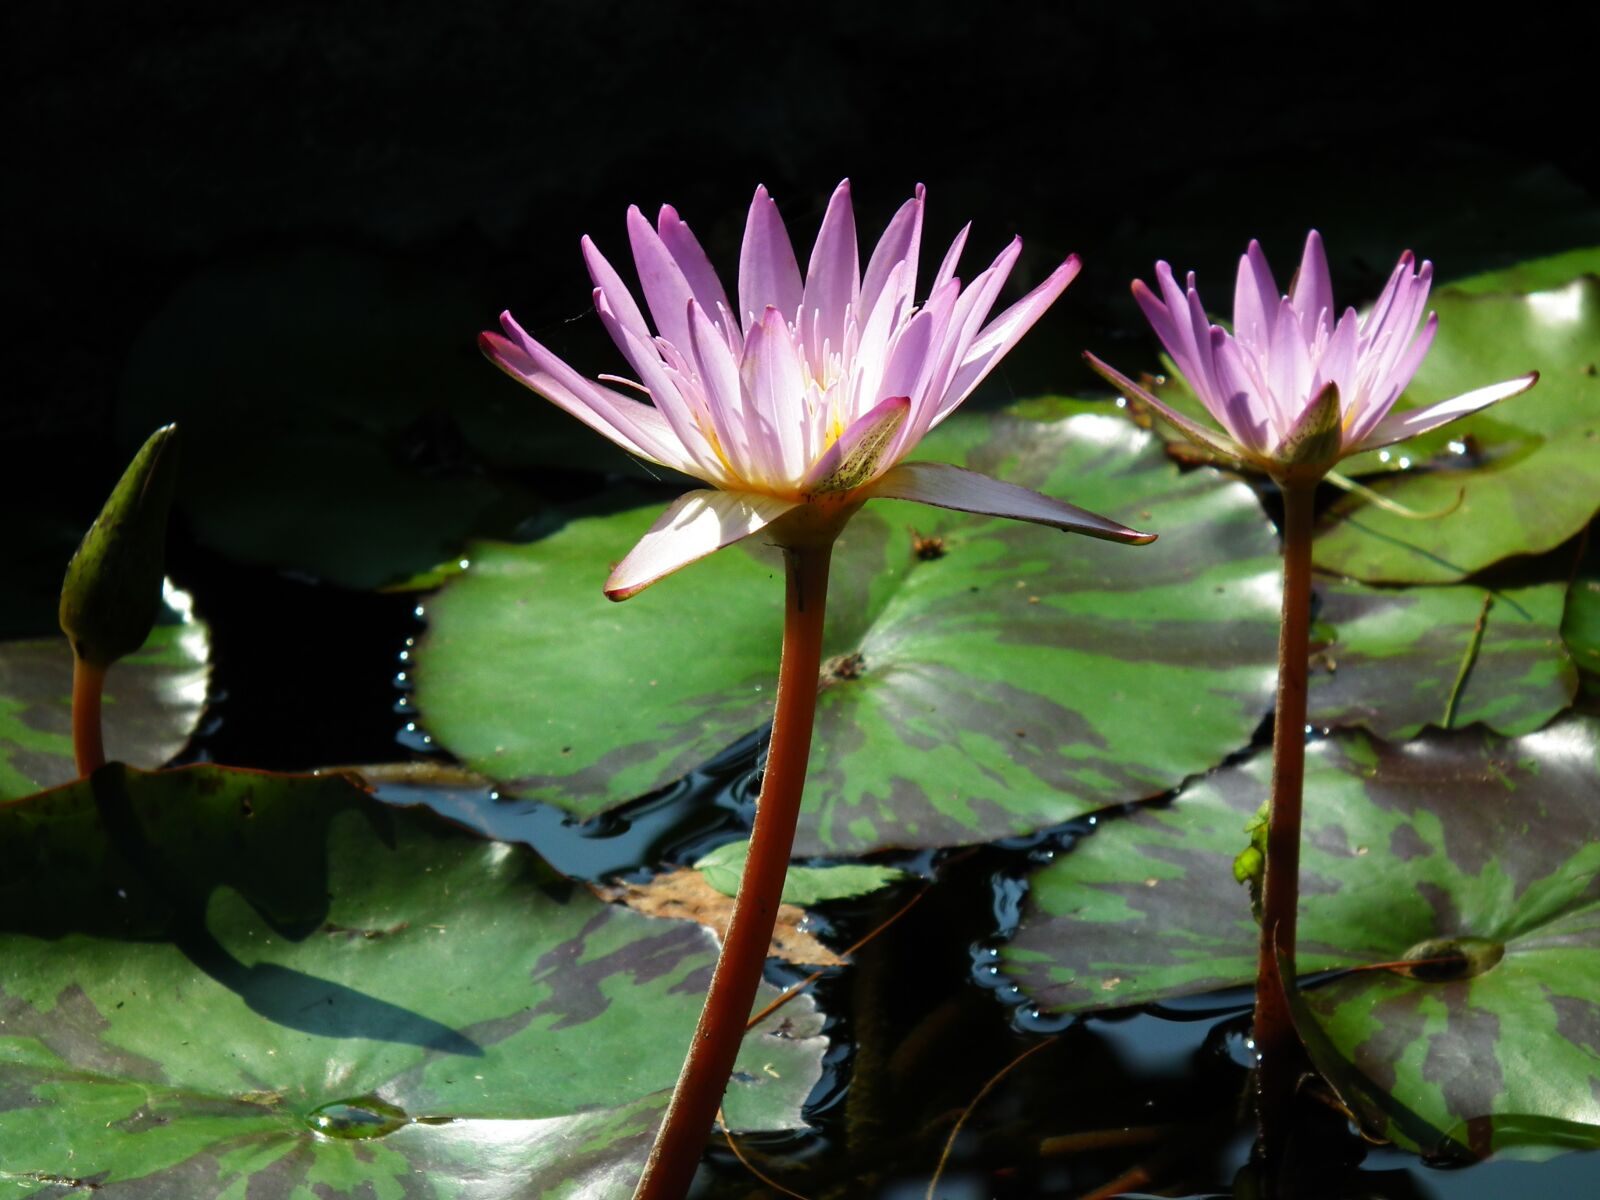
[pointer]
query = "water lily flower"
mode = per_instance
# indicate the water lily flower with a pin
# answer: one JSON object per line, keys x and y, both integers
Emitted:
{"x": 1294, "y": 389}
{"x": 800, "y": 403}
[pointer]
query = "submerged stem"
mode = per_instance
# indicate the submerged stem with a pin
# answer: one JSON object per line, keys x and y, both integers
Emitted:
{"x": 88, "y": 746}
{"x": 1276, "y": 1043}
{"x": 682, "y": 1137}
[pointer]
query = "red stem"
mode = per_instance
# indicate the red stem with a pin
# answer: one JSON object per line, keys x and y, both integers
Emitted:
{"x": 88, "y": 748}
{"x": 681, "y": 1139}
{"x": 1275, "y": 1037}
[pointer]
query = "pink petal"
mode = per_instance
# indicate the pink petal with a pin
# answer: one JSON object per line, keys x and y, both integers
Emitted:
{"x": 873, "y": 343}
{"x": 1180, "y": 322}
{"x": 718, "y": 371}
{"x": 696, "y": 266}
{"x": 947, "y": 486}
{"x": 774, "y": 382}
{"x": 769, "y": 276}
{"x": 1288, "y": 370}
{"x": 670, "y": 400}
{"x": 666, "y": 290}
{"x": 1255, "y": 298}
{"x": 1312, "y": 290}
{"x": 952, "y": 348}
{"x": 1001, "y": 334}
{"x": 922, "y": 358}
{"x": 609, "y": 284}
{"x": 911, "y": 354}
{"x": 952, "y": 257}
{"x": 833, "y": 279}
{"x": 1340, "y": 362}
{"x": 695, "y": 525}
{"x": 1208, "y": 439}
{"x": 1395, "y": 298}
{"x": 1241, "y": 406}
{"x": 1391, "y": 342}
{"x": 637, "y": 428}
{"x": 855, "y": 457}
{"x": 900, "y": 242}
{"x": 1398, "y": 426}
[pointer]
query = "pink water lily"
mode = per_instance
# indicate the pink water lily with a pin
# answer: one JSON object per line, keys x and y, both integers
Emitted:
{"x": 1294, "y": 389}
{"x": 800, "y": 403}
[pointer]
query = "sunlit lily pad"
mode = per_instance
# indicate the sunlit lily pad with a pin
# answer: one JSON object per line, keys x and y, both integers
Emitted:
{"x": 330, "y": 405}
{"x": 275, "y": 984}
{"x": 153, "y": 701}
{"x": 1535, "y": 275}
{"x": 1391, "y": 659}
{"x": 1408, "y": 850}
{"x": 982, "y": 677}
{"x": 1527, "y": 471}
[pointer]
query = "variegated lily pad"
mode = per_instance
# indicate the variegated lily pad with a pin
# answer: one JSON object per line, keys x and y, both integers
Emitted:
{"x": 983, "y": 677}
{"x": 271, "y": 984}
{"x": 1526, "y": 472}
{"x": 1393, "y": 660}
{"x": 153, "y": 701}
{"x": 1478, "y": 854}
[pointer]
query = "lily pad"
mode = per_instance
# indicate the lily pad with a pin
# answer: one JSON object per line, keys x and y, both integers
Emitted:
{"x": 982, "y": 677}
{"x": 1580, "y": 626}
{"x": 803, "y": 886}
{"x": 1535, "y": 275}
{"x": 344, "y": 452}
{"x": 1478, "y": 854}
{"x": 153, "y": 701}
{"x": 1391, "y": 659}
{"x": 274, "y": 983}
{"x": 1526, "y": 472}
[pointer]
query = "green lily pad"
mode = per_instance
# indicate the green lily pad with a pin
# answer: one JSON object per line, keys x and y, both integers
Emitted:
{"x": 252, "y": 982}
{"x": 1388, "y": 659}
{"x": 1454, "y": 846}
{"x": 1580, "y": 626}
{"x": 982, "y": 677}
{"x": 804, "y": 886}
{"x": 344, "y": 451}
{"x": 153, "y": 701}
{"x": 1535, "y": 275}
{"x": 1528, "y": 474}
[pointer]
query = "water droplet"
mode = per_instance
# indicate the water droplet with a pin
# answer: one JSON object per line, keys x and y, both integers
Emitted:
{"x": 419, "y": 613}
{"x": 362, "y": 1117}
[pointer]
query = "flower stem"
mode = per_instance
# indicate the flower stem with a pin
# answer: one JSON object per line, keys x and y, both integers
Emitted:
{"x": 682, "y": 1137}
{"x": 88, "y": 748}
{"x": 1275, "y": 1038}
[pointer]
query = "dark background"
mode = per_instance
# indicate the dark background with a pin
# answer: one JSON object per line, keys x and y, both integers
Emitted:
{"x": 149, "y": 141}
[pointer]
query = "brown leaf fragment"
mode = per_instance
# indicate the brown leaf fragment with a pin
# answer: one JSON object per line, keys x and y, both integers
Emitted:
{"x": 685, "y": 894}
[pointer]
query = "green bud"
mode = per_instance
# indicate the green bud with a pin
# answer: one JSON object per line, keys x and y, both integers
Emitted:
{"x": 112, "y": 591}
